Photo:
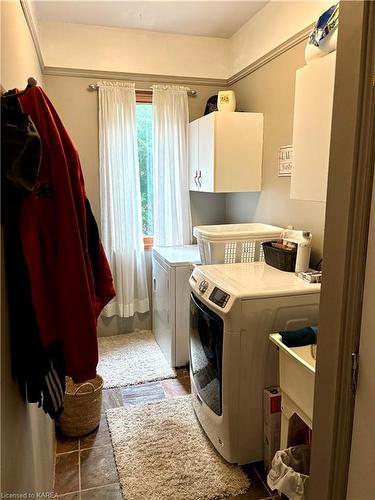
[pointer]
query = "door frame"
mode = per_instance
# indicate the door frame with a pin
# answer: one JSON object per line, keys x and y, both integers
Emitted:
{"x": 351, "y": 171}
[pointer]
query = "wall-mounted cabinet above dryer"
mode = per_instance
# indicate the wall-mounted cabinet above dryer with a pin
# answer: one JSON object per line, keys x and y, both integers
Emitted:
{"x": 313, "y": 103}
{"x": 225, "y": 152}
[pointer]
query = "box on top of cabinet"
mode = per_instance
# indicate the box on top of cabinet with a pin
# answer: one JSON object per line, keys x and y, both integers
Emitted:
{"x": 225, "y": 152}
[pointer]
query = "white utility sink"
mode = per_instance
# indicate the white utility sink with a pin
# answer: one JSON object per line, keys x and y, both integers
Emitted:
{"x": 297, "y": 373}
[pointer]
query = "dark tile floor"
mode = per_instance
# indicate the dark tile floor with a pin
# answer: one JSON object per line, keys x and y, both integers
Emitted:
{"x": 85, "y": 467}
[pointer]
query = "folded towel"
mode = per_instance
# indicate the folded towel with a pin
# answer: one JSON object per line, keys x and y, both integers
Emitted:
{"x": 298, "y": 338}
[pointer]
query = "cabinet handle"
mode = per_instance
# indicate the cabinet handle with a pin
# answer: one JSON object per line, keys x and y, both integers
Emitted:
{"x": 199, "y": 178}
{"x": 196, "y": 177}
{"x": 154, "y": 283}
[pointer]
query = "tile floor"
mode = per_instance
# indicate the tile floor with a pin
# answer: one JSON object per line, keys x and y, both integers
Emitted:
{"x": 85, "y": 467}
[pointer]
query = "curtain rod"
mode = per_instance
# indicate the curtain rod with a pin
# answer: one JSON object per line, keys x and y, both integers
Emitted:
{"x": 94, "y": 86}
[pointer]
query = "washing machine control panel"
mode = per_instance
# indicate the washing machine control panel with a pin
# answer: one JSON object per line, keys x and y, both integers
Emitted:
{"x": 205, "y": 288}
{"x": 219, "y": 297}
{"x": 203, "y": 285}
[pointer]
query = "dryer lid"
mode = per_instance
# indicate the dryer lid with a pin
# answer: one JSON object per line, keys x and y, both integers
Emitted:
{"x": 178, "y": 255}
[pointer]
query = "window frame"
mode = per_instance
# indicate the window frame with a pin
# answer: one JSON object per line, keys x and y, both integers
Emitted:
{"x": 145, "y": 97}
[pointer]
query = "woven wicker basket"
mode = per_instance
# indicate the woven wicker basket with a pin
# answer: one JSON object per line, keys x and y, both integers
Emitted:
{"x": 82, "y": 407}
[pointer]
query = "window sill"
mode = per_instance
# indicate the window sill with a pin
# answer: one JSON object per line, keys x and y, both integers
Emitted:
{"x": 148, "y": 242}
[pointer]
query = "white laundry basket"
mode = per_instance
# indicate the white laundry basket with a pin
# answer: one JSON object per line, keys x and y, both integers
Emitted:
{"x": 230, "y": 243}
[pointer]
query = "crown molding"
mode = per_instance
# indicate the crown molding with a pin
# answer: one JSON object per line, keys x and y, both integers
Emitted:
{"x": 25, "y": 5}
{"x": 155, "y": 78}
{"x": 134, "y": 77}
{"x": 272, "y": 54}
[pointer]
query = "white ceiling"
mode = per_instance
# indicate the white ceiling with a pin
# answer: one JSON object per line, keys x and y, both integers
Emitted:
{"x": 210, "y": 18}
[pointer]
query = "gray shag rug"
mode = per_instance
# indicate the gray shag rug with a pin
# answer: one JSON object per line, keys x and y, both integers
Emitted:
{"x": 162, "y": 453}
{"x": 132, "y": 358}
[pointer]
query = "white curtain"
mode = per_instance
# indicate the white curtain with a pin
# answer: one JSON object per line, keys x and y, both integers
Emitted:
{"x": 121, "y": 218}
{"x": 172, "y": 219}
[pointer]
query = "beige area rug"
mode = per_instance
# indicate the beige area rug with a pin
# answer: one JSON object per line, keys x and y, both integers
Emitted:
{"x": 132, "y": 358}
{"x": 162, "y": 453}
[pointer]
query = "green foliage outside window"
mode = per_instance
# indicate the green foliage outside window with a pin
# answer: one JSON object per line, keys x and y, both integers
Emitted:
{"x": 144, "y": 130}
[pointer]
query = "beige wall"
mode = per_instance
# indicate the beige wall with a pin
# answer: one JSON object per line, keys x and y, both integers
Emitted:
{"x": 27, "y": 434}
{"x": 18, "y": 56}
{"x": 270, "y": 90}
{"x": 270, "y": 27}
{"x": 96, "y": 48}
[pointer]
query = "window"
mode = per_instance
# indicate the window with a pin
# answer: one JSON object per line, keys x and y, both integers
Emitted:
{"x": 144, "y": 132}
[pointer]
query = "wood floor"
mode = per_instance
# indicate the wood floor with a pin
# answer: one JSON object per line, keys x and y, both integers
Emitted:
{"x": 85, "y": 467}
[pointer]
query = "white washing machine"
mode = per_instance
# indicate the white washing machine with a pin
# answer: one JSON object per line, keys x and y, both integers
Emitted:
{"x": 171, "y": 269}
{"x": 233, "y": 308}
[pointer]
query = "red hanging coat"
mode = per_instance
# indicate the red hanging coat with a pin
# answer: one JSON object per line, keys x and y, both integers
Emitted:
{"x": 70, "y": 280}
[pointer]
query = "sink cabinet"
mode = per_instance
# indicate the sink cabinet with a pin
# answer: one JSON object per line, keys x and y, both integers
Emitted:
{"x": 225, "y": 152}
{"x": 297, "y": 380}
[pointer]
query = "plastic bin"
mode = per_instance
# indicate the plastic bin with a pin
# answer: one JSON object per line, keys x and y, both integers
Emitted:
{"x": 289, "y": 473}
{"x": 285, "y": 260}
{"x": 231, "y": 243}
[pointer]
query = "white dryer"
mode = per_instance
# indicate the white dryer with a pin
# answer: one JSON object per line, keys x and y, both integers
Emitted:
{"x": 171, "y": 269}
{"x": 233, "y": 308}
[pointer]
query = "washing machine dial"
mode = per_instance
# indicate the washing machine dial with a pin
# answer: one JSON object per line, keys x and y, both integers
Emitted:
{"x": 203, "y": 285}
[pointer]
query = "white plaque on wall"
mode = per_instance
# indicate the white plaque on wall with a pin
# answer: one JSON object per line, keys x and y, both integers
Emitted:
{"x": 285, "y": 161}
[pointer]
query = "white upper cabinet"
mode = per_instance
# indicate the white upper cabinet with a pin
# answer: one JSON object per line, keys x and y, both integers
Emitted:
{"x": 312, "y": 129}
{"x": 225, "y": 152}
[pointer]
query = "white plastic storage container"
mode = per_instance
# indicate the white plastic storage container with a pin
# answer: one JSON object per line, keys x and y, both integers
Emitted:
{"x": 231, "y": 243}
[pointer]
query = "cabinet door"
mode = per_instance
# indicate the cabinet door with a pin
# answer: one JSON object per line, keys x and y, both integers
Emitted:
{"x": 312, "y": 129}
{"x": 162, "y": 322}
{"x": 206, "y": 148}
{"x": 238, "y": 152}
{"x": 193, "y": 156}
